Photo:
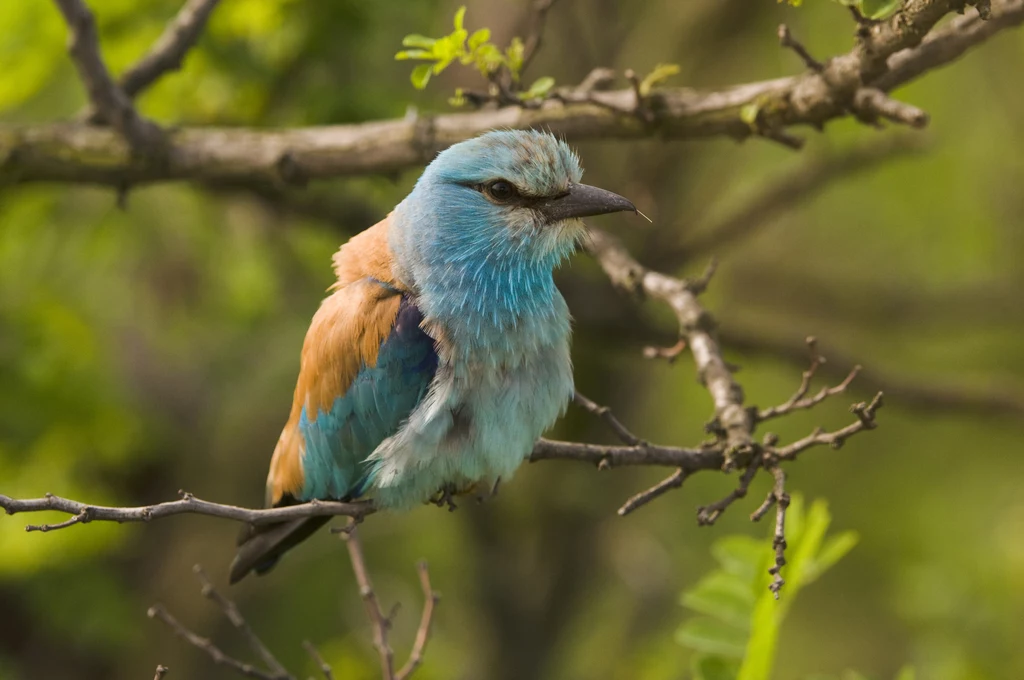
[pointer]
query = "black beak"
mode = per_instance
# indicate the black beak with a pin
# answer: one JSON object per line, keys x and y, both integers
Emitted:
{"x": 583, "y": 201}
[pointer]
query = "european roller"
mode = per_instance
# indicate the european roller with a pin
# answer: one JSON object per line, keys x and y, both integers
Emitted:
{"x": 442, "y": 351}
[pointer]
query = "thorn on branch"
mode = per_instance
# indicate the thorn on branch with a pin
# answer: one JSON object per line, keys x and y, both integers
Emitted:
{"x": 787, "y": 41}
{"x": 870, "y": 104}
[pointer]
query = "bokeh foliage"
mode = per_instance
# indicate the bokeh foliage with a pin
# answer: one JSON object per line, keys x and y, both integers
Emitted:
{"x": 155, "y": 348}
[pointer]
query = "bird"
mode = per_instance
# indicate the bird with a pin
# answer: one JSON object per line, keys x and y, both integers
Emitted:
{"x": 441, "y": 353}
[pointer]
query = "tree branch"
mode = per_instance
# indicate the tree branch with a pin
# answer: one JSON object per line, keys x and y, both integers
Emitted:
{"x": 78, "y": 153}
{"x": 107, "y": 98}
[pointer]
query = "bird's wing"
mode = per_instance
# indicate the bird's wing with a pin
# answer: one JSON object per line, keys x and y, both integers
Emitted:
{"x": 366, "y": 364}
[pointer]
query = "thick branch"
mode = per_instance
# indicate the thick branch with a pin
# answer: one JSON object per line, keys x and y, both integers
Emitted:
{"x": 79, "y": 153}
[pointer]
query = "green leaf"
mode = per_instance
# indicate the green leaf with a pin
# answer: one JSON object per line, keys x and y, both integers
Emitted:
{"x": 414, "y": 54}
{"x": 458, "y": 99}
{"x": 415, "y": 40}
{"x": 514, "y": 56}
{"x": 660, "y": 73}
{"x": 833, "y": 550}
{"x": 488, "y": 59}
{"x": 420, "y": 76}
{"x": 460, "y": 15}
{"x": 478, "y": 38}
{"x": 724, "y": 596}
{"x": 710, "y": 667}
{"x": 539, "y": 88}
{"x": 712, "y": 637}
{"x": 740, "y": 555}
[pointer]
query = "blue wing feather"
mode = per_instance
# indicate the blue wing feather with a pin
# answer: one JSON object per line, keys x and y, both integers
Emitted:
{"x": 379, "y": 400}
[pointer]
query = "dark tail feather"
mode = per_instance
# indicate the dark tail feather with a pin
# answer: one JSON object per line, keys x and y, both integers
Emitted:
{"x": 261, "y": 546}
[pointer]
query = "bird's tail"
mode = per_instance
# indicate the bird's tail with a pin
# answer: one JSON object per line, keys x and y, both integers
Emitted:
{"x": 261, "y": 546}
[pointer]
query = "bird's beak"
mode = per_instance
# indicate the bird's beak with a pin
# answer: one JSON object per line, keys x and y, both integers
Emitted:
{"x": 583, "y": 200}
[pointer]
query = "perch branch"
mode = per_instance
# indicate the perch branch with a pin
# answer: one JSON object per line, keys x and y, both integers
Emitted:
{"x": 70, "y": 152}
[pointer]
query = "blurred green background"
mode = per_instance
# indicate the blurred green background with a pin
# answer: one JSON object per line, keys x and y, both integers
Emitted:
{"x": 155, "y": 348}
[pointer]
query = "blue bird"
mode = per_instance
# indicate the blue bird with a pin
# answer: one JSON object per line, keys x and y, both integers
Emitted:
{"x": 442, "y": 352}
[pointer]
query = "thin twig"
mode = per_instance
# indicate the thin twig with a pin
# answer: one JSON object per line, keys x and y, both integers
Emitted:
{"x": 430, "y": 599}
{"x": 708, "y": 514}
{"x": 161, "y": 671}
{"x": 188, "y": 504}
{"x": 324, "y": 667}
{"x": 170, "y": 48}
{"x": 216, "y": 655}
{"x": 381, "y": 624}
{"x": 799, "y": 400}
{"x": 673, "y": 481}
{"x": 779, "y": 537}
{"x": 538, "y": 18}
{"x": 787, "y": 40}
{"x": 605, "y": 414}
{"x": 238, "y": 621}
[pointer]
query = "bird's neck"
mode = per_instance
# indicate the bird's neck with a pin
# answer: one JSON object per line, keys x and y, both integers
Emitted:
{"x": 490, "y": 297}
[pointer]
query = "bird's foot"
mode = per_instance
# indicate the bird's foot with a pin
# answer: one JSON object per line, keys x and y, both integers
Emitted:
{"x": 445, "y": 496}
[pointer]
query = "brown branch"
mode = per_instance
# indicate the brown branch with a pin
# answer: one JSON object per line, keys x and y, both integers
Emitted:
{"x": 430, "y": 598}
{"x": 380, "y": 623}
{"x": 324, "y": 667}
{"x": 673, "y": 481}
{"x": 708, "y": 514}
{"x": 169, "y": 50}
{"x": 189, "y": 504}
{"x": 605, "y": 414}
{"x": 538, "y": 18}
{"x": 800, "y": 400}
{"x": 79, "y": 153}
{"x": 238, "y": 621}
{"x": 781, "y": 500}
{"x": 218, "y": 657}
{"x": 787, "y": 40}
{"x": 107, "y": 98}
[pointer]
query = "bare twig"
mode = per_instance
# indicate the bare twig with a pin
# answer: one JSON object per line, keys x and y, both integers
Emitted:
{"x": 538, "y": 18}
{"x": 380, "y": 623}
{"x": 161, "y": 671}
{"x": 673, "y": 481}
{"x": 605, "y": 414}
{"x": 430, "y": 598}
{"x": 188, "y": 504}
{"x": 216, "y": 655}
{"x": 800, "y": 400}
{"x": 324, "y": 667}
{"x": 238, "y": 621}
{"x": 170, "y": 48}
{"x": 708, "y": 514}
{"x": 108, "y": 99}
{"x": 787, "y": 40}
{"x": 779, "y": 538}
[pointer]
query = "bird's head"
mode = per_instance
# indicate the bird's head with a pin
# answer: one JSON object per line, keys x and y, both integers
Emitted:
{"x": 510, "y": 198}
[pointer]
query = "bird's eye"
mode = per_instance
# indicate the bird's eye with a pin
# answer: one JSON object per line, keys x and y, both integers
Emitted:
{"x": 501, "y": 191}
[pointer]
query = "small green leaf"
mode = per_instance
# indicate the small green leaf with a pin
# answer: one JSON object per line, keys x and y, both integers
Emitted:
{"x": 740, "y": 555}
{"x": 415, "y": 40}
{"x": 514, "y": 57}
{"x": 660, "y": 73}
{"x": 478, "y": 38}
{"x": 414, "y": 54}
{"x": 540, "y": 88}
{"x": 460, "y": 15}
{"x": 420, "y": 76}
{"x": 488, "y": 59}
{"x": 458, "y": 99}
{"x": 725, "y": 596}
{"x": 712, "y": 637}
{"x": 709, "y": 667}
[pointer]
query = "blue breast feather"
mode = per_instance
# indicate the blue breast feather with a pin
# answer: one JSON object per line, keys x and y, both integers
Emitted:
{"x": 379, "y": 400}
